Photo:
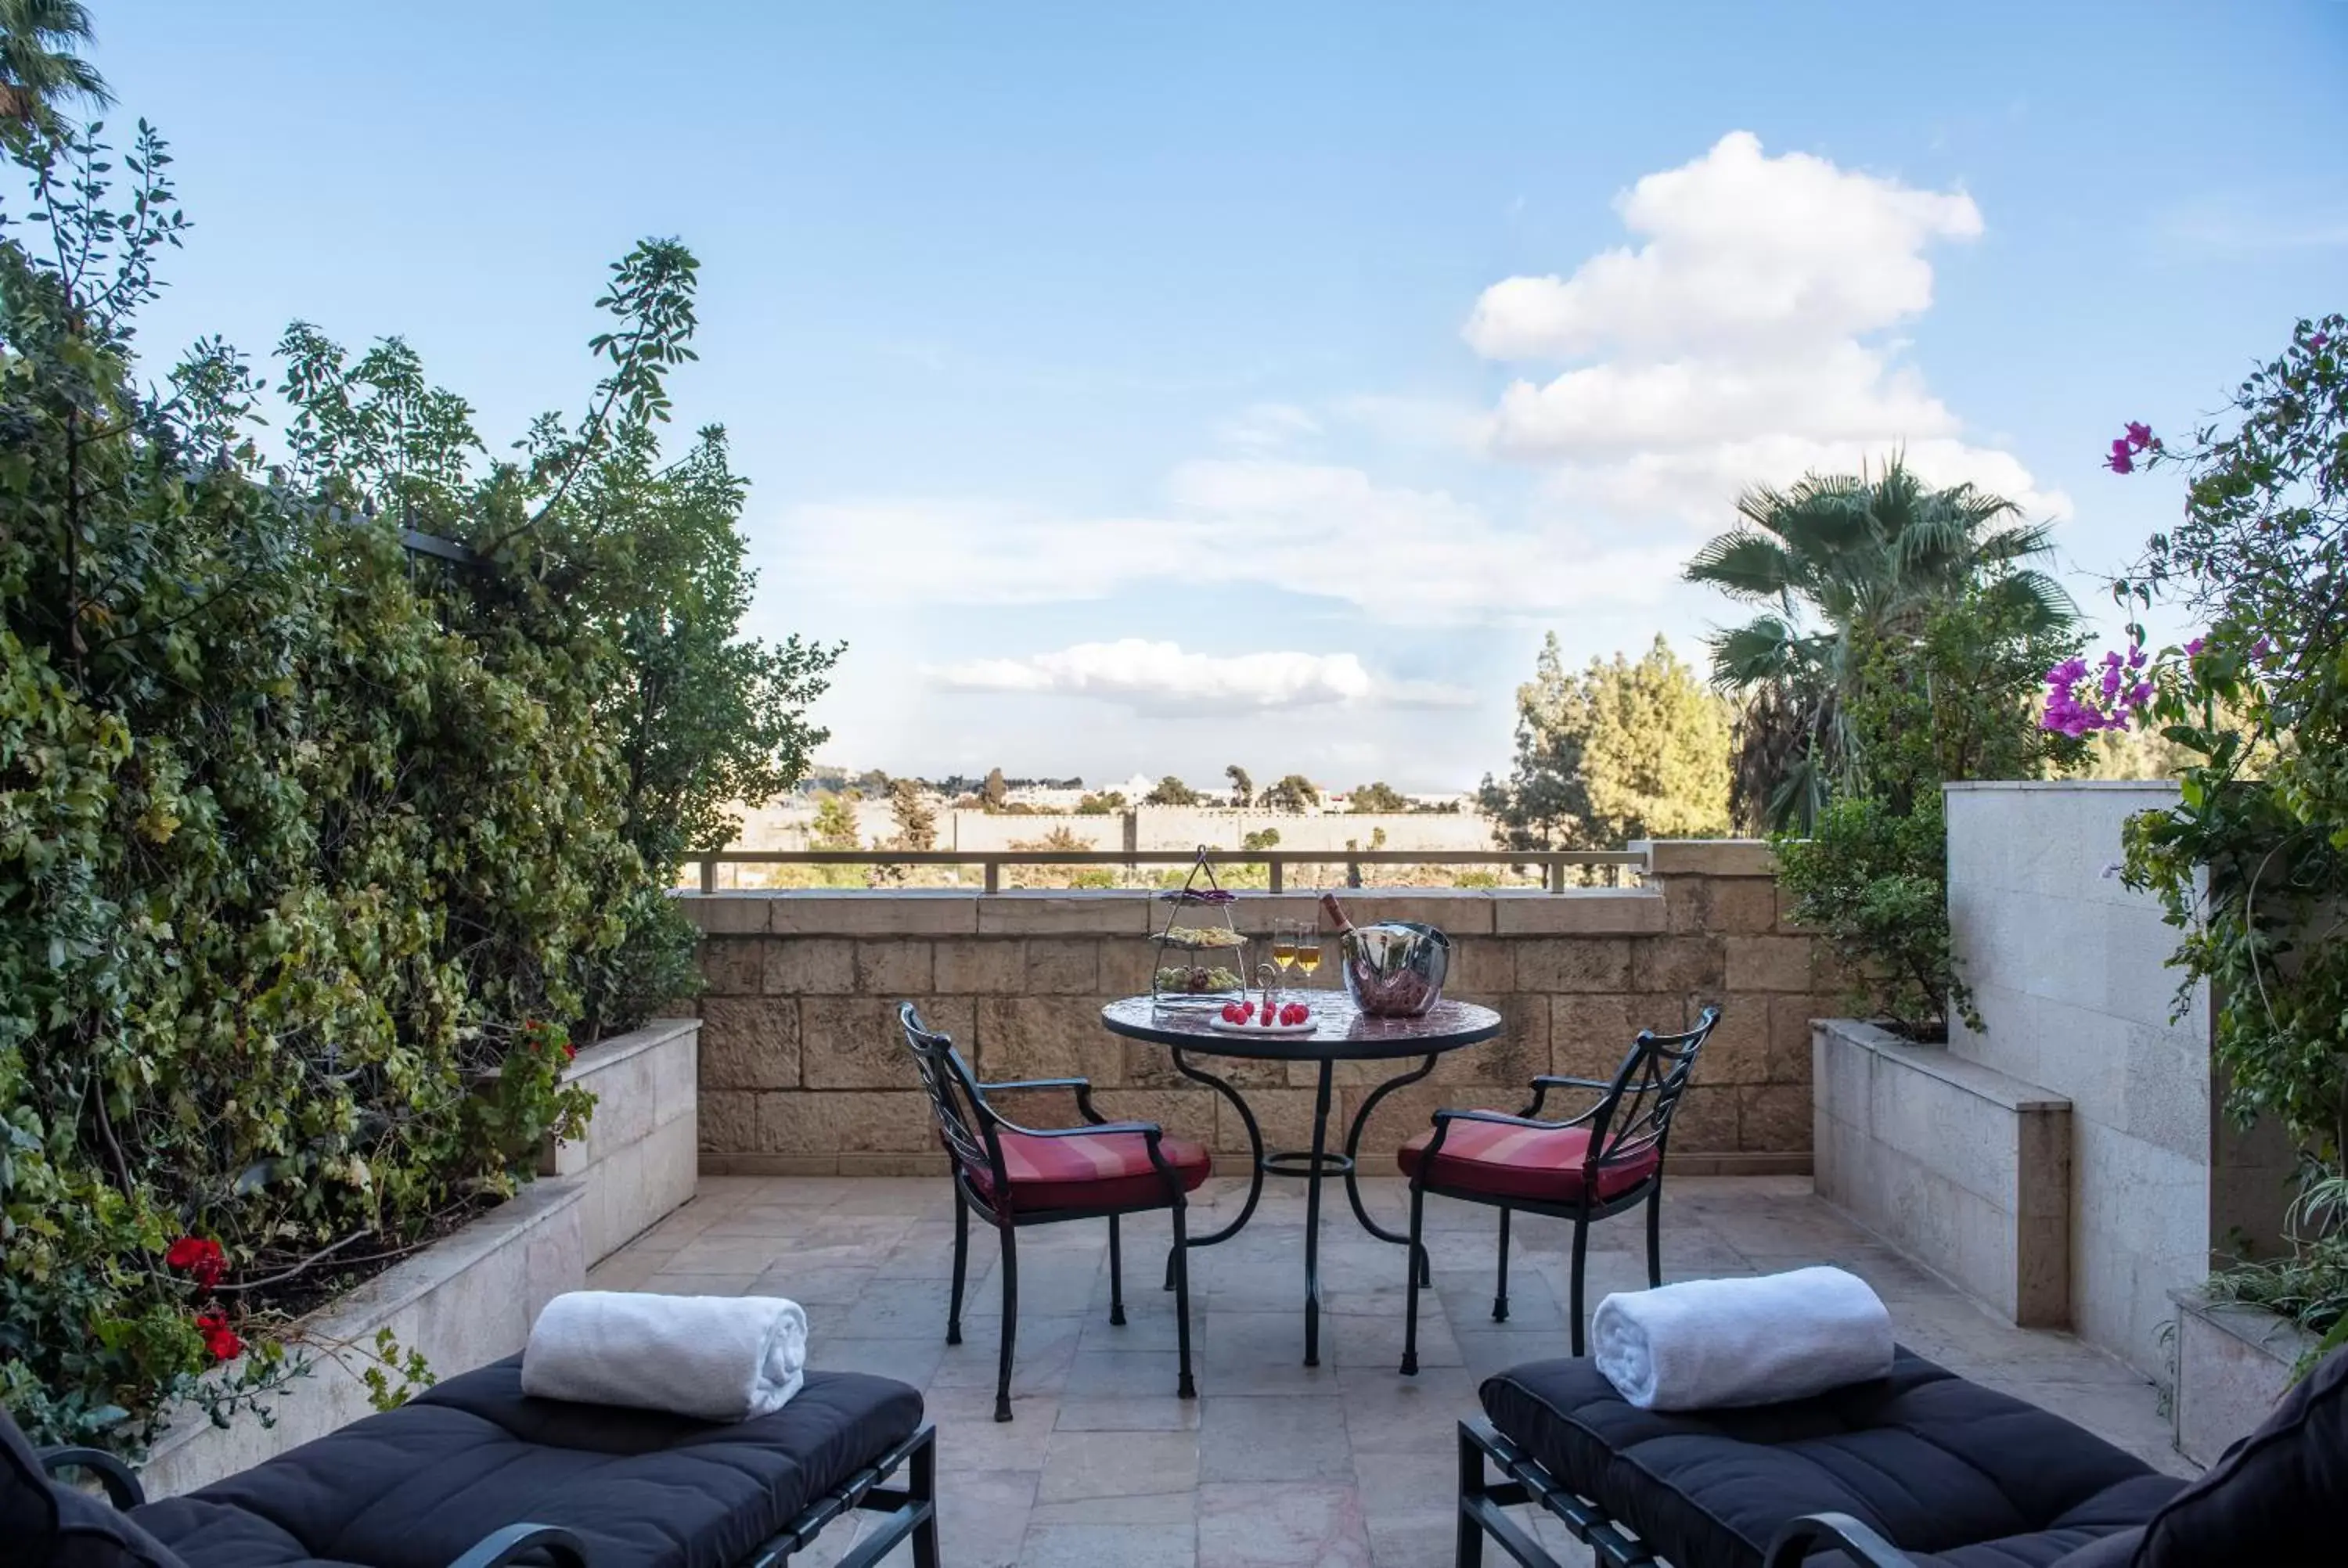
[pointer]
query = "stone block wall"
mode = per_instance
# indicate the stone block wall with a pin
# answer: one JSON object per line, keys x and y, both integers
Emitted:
{"x": 2068, "y": 969}
{"x": 1961, "y": 1167}
{"x": 803, "y": 1069}
{"x": 639, "y": 1158}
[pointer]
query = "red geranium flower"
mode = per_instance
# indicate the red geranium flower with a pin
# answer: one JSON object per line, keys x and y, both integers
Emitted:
{"x": 219, "y": 1339}
{"x": 198, "y": 1258}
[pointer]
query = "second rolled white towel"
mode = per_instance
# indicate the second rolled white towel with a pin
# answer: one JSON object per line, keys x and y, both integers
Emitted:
{"x": 1708, "y": 1343}
{"x": 720, "y": 1357}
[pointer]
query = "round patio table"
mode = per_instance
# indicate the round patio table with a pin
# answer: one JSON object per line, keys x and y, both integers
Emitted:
{"x": 1342, "y": 1033}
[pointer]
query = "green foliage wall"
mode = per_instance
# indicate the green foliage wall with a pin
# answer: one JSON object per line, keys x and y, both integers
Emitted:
{"x": 311, "y": 847}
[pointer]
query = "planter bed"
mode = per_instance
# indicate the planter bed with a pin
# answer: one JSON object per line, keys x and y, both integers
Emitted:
{"x": 464, "y": 1301}
{"x": 640, "y": 1157}
{"x": 2233, "y": 1363}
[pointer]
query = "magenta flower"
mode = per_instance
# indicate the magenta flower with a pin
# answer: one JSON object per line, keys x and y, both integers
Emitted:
{"x": 2120, "y": 462}
{"x": 2139, "y": 435}
{"x": 2193, "y": 649}
{"x": 2317, "y": 342}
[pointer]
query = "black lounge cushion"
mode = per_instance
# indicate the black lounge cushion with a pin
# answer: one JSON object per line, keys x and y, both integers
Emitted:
{"x": 2280, "y": 1496}
{"x": 1957, "y": 1475}
{"x": 46, "y": 1525}
{"x": 416, "y": 1487}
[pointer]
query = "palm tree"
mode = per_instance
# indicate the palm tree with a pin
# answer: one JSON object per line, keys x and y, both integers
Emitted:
{"x": 1835, "y": 556}
{"x": 37, "y": 64}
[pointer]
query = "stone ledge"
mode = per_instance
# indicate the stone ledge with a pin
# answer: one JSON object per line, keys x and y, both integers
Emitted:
{"x": 1707, "y": 856}
{"x": 1603, "y": 911}
{"x": 1934, "y": 1062}
{"x": 2233, "y": 1362}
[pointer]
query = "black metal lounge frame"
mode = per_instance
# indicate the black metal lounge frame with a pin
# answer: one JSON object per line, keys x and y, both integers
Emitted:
{"x": 1482, "y": 1501}
{"x": 1644, "y": 1093}
{"x": 910, "y": 1512}
{"x": 973, "y": 1130}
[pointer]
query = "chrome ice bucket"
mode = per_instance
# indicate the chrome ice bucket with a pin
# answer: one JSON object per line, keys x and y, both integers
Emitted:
{"x": 1395, "y": 969}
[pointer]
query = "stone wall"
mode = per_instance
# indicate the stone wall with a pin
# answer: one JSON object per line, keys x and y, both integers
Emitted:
{"x": 638, "y": 1160}
{"x": 2068, "y": 969}
{"x": 803, "y": 1071}
{"x": 1961, "y": 1167}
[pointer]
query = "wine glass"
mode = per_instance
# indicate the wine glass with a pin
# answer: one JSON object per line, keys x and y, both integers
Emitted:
{"x": 1283, "y": 945}
{"x": 1306, "y": 953}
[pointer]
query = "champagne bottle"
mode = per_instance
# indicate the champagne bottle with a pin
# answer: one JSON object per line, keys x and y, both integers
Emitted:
{"x": 1337, "y": 913}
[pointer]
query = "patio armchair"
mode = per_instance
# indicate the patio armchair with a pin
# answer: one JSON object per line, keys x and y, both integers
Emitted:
{"x": 474, "y": 1473}
{"x": 1917, "y": 1470}
{"x": 1592, "y": 1166}
{"x": 1013, "y": 1176}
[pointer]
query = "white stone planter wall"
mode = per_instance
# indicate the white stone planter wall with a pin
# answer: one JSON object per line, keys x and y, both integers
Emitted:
{"x": 1963, "y": 1168}
{"x": 2232, "y": 1364}
{"x": 641, "y": 1155}
{"x": 2069, "y": 969}
{"x": 465, "y": 1301}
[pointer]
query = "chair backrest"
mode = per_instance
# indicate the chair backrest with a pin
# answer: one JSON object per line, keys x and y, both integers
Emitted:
{"x": 965, "y": 1129}
{"x": 1636, "y": 1115}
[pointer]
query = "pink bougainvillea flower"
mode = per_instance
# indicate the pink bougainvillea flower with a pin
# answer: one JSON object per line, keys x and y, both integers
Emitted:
{"x": 2139, "y": 435}
{"x": 2317, "y": 342}
{"x": 2193, "y": 649}
{"x": 2120, "y": 462}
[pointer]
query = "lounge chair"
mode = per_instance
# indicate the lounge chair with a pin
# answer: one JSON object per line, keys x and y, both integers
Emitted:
{"x": 1919, "y": 1470}
{"x": 475, "y": 1473}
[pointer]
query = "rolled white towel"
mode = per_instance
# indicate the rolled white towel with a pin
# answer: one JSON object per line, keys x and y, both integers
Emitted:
{"x": 720, "y": 1357}
{"x": 1709, "y": 1343}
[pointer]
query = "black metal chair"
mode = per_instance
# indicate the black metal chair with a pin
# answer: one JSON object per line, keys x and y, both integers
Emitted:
{"x": 1011, "y": 1176}
{"x": 1592, "y": 1166}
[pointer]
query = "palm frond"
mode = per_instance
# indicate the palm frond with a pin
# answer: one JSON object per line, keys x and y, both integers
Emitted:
{"x": 1745, "y": 564}
{"x": 2043, "y": 604}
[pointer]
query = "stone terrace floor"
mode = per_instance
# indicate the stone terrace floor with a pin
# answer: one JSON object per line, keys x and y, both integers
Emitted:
{"x": 1348, "y": 1464}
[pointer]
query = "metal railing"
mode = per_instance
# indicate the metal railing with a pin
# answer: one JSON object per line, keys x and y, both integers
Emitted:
{"x": 1553, "y": 864}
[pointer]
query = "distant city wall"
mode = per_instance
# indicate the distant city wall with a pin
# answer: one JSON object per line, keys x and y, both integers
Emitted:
{"x": 803, "y": 1069}
{"x": 1155, "y": 827}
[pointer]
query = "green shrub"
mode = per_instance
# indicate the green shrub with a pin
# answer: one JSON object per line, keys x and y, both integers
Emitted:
{"x": 1874, "y": 884}
{"x": 313, "y": 848}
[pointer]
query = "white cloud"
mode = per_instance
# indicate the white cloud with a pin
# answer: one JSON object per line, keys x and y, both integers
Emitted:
{"x": 1398, "y": 555}
{"x": 1742, "y": 248}
{"x": 1163, "y": 677}
{"x": 1733, "y": 347}
{"x": 1268, "y": 426}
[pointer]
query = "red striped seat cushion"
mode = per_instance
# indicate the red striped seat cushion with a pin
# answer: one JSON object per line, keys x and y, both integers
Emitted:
{"x": 1542, "y": 1164}
{"x": 1094, "y": 1170}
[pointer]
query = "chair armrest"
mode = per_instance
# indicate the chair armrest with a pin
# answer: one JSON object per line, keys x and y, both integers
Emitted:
{"x": 1549, "y": 1081}
{"x": 501, "y": 1547}
{"x": 1796, "y": 1539}
{"x": 1500, "y": 1118}
{"x": 1147, "y": 1129}
{"x": 1082, "y": 1087}
{"x": 122, "y": 1488}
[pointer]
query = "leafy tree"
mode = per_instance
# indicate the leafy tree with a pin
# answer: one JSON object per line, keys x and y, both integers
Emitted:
{"x": 1243, "y": 787}
{"x": 1955, "y": 699}
{"x": 1828, "y": 560}
{"x": 1171, "y": 791}
{"x": 834, "y": 827}
{"x": 1380, "y": 797}
{"x": 1294, "y": 792}
{"x": 917, "y": 820}
{"x": 995, "y": 791}
{"x": 1108, "y": 803}
{"x": 38, "y": 65}
{"x": 1618, "y": 752}
{"x": 2251, "y": 863}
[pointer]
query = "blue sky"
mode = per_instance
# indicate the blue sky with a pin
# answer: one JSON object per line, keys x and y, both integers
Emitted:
{"x": 1155, "y": 388}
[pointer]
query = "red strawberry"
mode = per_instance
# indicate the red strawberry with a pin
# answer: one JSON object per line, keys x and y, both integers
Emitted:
{"x": 1234, "y": 1013}
{"x": 1296, "y": 1012}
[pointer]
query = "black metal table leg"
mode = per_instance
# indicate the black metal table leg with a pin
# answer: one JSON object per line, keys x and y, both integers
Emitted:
{"x": 1255, "y": 1160}
{"x": 1313, "y": 1216}
{"x": 1352, "y": 1180}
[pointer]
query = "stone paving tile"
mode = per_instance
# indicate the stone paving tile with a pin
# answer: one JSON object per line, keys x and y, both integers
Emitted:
{"x": 1280, "y": 1525}
{"x": 1245, "y": 1438}
{"x": 1275, "y": 1463}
